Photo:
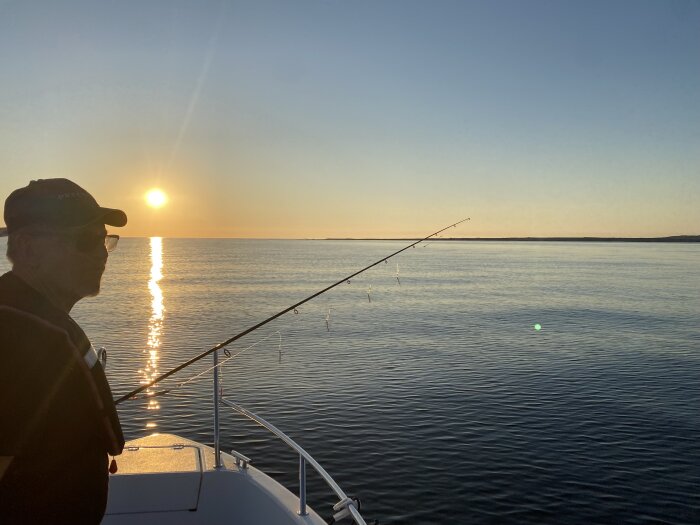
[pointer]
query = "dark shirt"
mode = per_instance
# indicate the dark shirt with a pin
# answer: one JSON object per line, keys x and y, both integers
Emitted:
{"x": 57, "y": 417}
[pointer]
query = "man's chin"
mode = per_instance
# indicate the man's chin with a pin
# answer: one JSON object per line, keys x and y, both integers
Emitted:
{"x": 91, "y": 291}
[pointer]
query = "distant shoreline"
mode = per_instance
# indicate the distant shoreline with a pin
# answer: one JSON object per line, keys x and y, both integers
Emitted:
{"x": 674, "y": 238}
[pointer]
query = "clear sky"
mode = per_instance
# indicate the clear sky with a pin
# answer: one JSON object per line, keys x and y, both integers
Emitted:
{"x": 316, "y": 118}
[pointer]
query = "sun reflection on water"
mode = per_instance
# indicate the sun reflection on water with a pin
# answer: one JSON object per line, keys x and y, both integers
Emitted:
{"x": 155, "y": 324}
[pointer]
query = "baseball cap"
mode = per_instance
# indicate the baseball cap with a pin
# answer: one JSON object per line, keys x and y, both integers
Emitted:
{"x": 58, "y": 203}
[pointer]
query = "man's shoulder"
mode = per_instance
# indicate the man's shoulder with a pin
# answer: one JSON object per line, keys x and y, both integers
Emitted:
{"x": 16, "y": 293}
{"x": 40, "y": 384}
{"x": 14, "y": 319}
{"x": 22, "y": 332}
{"x": 8, "y": 282}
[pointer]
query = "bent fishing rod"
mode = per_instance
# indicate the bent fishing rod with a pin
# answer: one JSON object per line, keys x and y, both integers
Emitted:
{"x": 273, "y": 317}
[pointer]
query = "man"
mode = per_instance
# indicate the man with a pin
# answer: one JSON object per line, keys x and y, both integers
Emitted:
{"x": 58, "y": 423}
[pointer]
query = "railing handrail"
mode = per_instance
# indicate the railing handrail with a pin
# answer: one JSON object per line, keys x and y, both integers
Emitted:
{"x": 297, "y": 448}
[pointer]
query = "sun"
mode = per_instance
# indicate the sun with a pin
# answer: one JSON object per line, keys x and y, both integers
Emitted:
{"x": 156, "y": 198}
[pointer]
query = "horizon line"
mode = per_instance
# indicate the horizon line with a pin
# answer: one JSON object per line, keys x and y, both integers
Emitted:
{"x": 557, "y": 238}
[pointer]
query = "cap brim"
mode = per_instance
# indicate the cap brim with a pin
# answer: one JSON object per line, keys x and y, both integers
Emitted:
{"x": 112, "y": 217}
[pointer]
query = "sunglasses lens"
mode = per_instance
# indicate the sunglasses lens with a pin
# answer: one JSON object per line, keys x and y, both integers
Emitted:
{"x": 90, "y": 243}
{"x": 111, "y": 242}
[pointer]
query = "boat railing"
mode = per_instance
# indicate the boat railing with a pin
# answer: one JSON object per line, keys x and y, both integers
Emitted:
{"x": 346, "y": 506}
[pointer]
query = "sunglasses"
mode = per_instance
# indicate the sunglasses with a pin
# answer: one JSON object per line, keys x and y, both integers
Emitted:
{"x": 86, "y": 241}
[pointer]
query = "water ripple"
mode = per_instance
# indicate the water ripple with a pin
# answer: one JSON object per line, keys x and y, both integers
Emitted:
{"x": 438, "y": 402}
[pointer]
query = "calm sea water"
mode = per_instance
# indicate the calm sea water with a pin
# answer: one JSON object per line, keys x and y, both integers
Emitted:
{"x": 437, "y": 401}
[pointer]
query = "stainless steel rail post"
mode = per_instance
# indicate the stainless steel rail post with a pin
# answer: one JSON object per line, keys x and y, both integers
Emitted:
{"x": 217, "y": 444}
{"x": 302, "y": 486}
{"x": 344, "y": 503}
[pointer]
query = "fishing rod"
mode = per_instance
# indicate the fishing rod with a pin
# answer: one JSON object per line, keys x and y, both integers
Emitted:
{"x": 273, "y": 317}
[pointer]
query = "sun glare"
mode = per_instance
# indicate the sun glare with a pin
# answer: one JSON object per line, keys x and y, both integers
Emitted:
{"x": 156, "y": 198}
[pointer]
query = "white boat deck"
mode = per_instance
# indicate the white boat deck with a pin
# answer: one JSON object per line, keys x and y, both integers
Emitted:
{"x": 164, "y": 478}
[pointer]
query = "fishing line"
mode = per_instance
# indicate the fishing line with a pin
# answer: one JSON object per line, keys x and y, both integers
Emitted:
{"x": 280, "y": 348}
{"x": 291, "y": 325}
{"x": 328, "y": 319}
{"x": 425, "y": 245}
{"x": 278, "y": 314}
{"x": 220, "y": 364}
{"x": 229, "y": 357}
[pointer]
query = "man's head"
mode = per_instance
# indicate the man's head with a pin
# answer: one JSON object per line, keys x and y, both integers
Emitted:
{"x": 57, "y": 238}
